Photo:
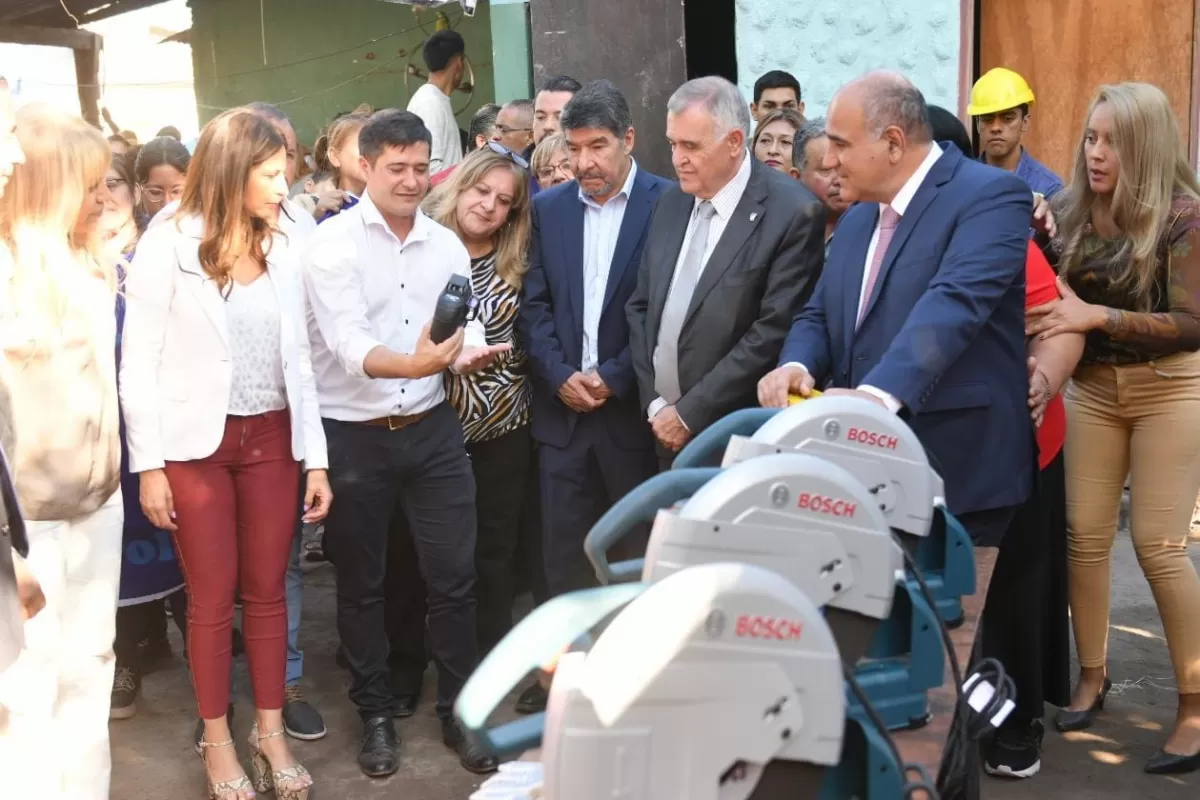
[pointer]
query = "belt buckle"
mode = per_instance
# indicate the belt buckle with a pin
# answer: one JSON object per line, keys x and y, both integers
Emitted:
{"x": 394, "y": 427}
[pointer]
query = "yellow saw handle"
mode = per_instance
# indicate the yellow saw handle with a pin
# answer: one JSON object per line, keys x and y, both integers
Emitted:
{"x": 793, "y": 399}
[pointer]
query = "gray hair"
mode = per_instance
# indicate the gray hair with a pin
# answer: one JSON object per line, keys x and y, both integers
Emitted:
{"x": 809, "y": 132}
{"x": 599, "y": 104}
{"x": 720, "y": 98}
{"x": 891, "y": 99}
{"x": 271, "y": 112}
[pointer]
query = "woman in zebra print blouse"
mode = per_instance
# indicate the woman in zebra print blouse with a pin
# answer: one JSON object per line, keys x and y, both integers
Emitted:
{"x": 486, "y": 202}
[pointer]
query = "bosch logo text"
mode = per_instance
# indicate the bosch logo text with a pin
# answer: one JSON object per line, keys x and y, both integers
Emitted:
{"x": 832, "y": 506}
{"x": 872, "y": 439}
{"x": 777, "y": 628}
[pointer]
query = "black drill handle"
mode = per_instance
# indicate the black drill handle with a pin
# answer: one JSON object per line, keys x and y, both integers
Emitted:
{"x": 450, "y": 314}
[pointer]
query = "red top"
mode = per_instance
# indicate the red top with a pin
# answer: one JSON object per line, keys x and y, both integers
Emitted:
{"x": 1039, "y": 290}
{"x": 438, "y": 177}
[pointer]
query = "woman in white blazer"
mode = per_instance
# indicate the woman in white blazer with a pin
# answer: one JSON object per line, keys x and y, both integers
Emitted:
{"x": 220, "y": 411}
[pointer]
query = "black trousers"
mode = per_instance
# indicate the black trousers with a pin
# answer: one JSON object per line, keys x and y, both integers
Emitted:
{"x": 501, "y": 467}
{"x": 503, "y": 474}
{"x": 420, "y": 477}
{"x": 528, "y": 562}
{"x": 136, "y": 624}
{"x": 579, "y": 483}
{"x": 1025, "y": 619}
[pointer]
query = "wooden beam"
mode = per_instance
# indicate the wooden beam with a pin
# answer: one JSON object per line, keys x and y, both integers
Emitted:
{"x": 1191, "y": 125}
{"x": 51, "y": 37}
{"x": 19, "y": 9}
{"x": 87, "y": 76}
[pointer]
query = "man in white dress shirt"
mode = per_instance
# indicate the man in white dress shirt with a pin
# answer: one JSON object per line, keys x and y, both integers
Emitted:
{"x": 373, "y": 276}
{"x": 445, "y": 56}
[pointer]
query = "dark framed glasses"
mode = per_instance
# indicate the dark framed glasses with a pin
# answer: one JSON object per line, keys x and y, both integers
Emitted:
{"x": 500, "y": 149}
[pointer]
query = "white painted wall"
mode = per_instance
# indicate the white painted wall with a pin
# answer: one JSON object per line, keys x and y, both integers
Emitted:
{"x": 825, "y": 43}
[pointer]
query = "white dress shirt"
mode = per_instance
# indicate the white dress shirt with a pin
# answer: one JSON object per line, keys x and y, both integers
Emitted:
{"x": 899, "y": 204}
{"x": 601, "y": 229}
{"x": 367, "y": 289}
{"x": 436, "y": 111}
{"x": 725, "y": 202}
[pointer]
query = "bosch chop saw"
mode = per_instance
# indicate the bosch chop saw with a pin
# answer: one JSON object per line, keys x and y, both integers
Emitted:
{"x": 719, "y": 682}
{"x": 814, "y": 524}
{"x": 883, "y": 453}
{"x": 901, "y": 641}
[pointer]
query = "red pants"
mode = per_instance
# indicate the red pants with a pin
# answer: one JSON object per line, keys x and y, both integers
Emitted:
{"x": 236, "y": 511}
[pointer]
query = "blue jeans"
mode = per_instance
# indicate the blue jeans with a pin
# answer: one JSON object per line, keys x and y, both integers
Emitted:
{"x": 295, "y": 656}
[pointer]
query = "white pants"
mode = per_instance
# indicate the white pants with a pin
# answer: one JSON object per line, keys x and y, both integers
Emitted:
{"x": 54, "y": 700}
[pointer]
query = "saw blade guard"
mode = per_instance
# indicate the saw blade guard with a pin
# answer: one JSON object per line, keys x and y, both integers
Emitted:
{"x": 871, "y": 443}
{"x": 716, "y": 665}
{"x": 638, "y": 507}
{"x": 536, "y": 641}
{"x": 808, "y": 520}
{"x": 707, "y": 448}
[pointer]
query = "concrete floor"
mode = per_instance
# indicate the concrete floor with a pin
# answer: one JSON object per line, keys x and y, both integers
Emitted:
{"x": 153, "y": 758}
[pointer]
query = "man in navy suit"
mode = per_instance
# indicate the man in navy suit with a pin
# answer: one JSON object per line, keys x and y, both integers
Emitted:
{"x": 594, "y": 442}
{"x": 921, "y": 307}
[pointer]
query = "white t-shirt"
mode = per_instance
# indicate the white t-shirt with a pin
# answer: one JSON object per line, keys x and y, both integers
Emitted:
{"x": 437, "y": 113}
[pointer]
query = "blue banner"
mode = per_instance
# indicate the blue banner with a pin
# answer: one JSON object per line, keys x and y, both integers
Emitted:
{"x": 149, "y": 569}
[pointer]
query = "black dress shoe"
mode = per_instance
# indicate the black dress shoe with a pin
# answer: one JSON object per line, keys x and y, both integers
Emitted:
{"x": 1164, "y": 763}
{"x": 1067, "y": 721}
{"x": 405, "y": 705}
{"x": 379, "y": 755}
{"x": 472, "y": 758}
{"x": 532, "y": 700}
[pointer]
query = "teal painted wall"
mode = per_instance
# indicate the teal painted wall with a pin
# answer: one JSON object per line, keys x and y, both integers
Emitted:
{"x": 337, "y": 71}
{"x": 512, "y": 66}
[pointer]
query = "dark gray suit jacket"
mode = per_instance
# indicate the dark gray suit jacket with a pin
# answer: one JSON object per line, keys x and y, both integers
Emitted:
{"x": 759, "y": 276}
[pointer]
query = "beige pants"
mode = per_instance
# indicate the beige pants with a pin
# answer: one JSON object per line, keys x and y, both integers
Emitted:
{"x": 54, "y": 700}
{"x": 1142, "y": 420}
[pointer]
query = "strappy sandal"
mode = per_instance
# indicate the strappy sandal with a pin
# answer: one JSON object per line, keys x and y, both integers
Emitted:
{"x": 291, "y": 783}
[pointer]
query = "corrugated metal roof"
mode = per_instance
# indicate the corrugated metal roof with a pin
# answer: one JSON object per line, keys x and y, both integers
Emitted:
{"x": 50, "y": 13}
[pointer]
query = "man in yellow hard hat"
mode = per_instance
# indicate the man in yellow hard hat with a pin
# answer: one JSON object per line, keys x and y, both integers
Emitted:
{"x": 1000, "y": 102}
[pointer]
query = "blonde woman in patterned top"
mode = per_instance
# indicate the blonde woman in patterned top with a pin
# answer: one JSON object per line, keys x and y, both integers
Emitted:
{"x": 1128, "y": 251}
{"x": 486, "y": 202}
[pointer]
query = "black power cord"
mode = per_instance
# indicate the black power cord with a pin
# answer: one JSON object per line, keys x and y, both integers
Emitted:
{"x": 958, "y": 774}
{"x": 879, "y": 725}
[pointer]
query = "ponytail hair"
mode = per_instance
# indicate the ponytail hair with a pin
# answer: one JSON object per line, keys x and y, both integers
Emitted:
{"x": 335, "y": 136}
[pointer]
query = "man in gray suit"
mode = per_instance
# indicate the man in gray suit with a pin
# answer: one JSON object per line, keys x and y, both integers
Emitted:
{"x": 732, "y": 254}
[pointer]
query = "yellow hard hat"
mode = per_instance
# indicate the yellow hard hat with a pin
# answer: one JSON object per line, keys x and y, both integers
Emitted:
{"x": 999, "y": 90}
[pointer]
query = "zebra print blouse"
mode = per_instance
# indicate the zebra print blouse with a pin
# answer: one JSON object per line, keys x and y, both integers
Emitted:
{"x": 494, "y": 400}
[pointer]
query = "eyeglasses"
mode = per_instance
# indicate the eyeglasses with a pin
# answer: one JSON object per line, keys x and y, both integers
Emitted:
{"x": 547, "y": 172}
{"x": 505, "y": 129}
{"x": 501, "y": 150}
{"x": 157, "y": 194}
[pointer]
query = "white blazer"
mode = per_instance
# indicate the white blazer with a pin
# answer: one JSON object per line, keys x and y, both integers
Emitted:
{"x": 176, "y": 367}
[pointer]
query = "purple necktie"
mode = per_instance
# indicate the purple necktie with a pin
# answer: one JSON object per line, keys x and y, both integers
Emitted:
{"x": 888, "y": 221}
